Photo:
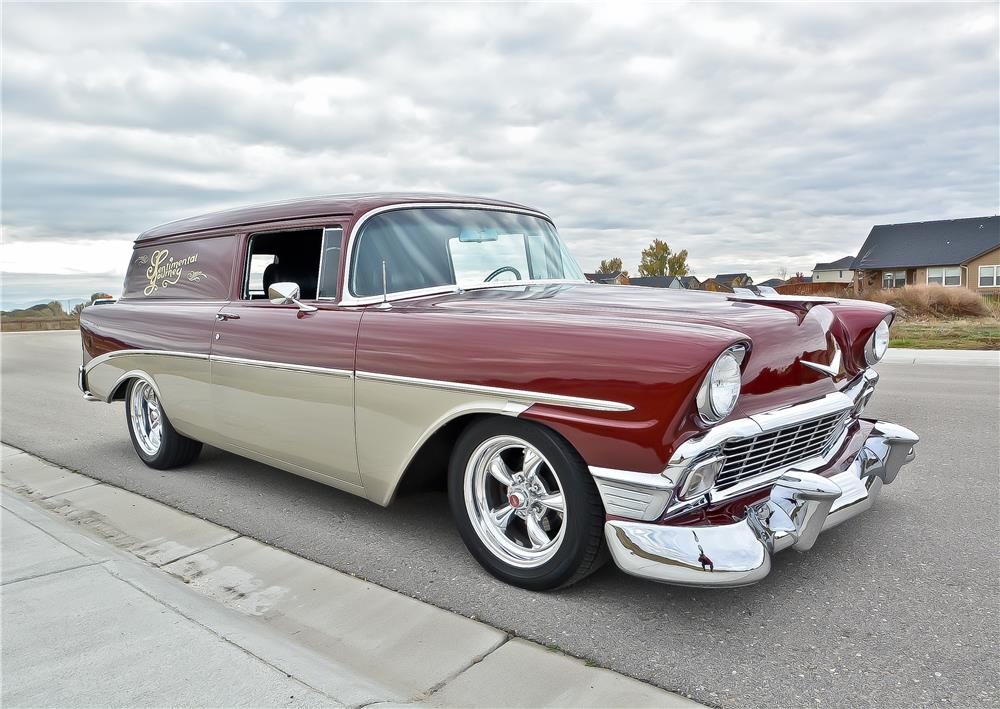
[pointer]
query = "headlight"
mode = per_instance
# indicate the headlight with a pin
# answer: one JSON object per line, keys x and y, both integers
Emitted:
{"x": 878, "y": 343}
{"x": 721, "y": 388}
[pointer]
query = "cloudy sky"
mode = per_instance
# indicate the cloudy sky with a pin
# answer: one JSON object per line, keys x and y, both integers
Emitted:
{"x": 757, "y": 136}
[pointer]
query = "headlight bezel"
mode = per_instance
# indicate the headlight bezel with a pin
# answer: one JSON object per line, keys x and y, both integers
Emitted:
{"x": 872, "y": 356}
{"x": 708, "y": 408}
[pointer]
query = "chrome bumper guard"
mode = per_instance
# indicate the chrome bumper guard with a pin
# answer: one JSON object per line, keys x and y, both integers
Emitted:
{"x": 81, "y": 381}
{"x": 800, "y": 506}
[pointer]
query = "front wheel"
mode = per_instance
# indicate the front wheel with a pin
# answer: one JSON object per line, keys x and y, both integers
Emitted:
{"x": 525, "y": 504}
{"x": 155, "y": 440}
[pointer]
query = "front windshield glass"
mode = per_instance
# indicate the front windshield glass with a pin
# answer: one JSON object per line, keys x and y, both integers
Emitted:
{"x": 428, "y": 247}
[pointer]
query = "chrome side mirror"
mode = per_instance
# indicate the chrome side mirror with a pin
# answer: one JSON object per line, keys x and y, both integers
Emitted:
{"x": 286, "y": 293}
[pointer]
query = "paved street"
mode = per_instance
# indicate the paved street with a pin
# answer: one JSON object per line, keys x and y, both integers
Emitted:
{"x": 895, "y": 608}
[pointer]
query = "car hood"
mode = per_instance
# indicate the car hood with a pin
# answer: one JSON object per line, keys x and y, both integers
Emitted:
{"x": 783, "y": 333}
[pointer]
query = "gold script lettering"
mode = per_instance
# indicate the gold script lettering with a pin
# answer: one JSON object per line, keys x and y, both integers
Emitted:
{"x": 164, "y": 270}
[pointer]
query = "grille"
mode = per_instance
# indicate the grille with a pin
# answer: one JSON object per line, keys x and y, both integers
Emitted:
{"x": 766, "y": 452}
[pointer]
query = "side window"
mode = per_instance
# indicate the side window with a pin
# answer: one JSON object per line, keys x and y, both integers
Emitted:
{"x": 189, "y": 269}
{"x": 283, "y": 256}
{"x": 329, "y": 264}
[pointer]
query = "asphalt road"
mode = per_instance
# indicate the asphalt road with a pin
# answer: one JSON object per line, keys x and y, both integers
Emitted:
{"x": 898, "y": 607}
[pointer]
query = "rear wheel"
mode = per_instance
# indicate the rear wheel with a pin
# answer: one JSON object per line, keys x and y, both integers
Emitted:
{"x": 154, "y": 438}
{"x": 525, "y": 504}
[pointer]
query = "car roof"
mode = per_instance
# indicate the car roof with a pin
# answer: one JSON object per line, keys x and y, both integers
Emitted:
{"x": 350, "y": 205}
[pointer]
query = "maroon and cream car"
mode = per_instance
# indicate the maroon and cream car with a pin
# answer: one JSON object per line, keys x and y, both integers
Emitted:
{"x": 368, "y": 341}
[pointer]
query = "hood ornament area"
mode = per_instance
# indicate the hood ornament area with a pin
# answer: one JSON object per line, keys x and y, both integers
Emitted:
{"x": 832, "y": 369}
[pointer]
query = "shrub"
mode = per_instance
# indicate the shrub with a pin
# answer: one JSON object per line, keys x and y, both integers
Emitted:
{"x": 931, "y": 301}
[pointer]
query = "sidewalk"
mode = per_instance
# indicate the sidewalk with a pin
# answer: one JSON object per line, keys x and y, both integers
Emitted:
{"x": 112, "y": 599}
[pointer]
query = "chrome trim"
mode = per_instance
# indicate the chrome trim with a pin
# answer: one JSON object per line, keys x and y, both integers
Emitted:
{"x": 345, "y": 373}
{"x": 81, "y": 382}
{"x": 851, "y": 398}
{"x": 799, "y": 508}
{"x": 517, "y": 395}
{"x": 220, "y": 358}
{"x": 870, "y": 357}
{"x": 830, "y": 370}
{"x": 634, "y": 495}
{"x": 706, "y": 409}
{"x": 347, "y": 298}
{"x": 100, "y": 359}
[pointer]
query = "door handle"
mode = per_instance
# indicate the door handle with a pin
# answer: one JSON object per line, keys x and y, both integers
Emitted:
{"x": 226, "y": 316}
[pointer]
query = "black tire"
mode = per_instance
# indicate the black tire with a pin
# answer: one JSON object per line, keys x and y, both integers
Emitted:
{"x": 174, "y": 451}
{"x": 581, "y": 551}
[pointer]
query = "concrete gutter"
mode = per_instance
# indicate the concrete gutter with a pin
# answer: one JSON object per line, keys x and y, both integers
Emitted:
{"x": 112, "y": 599}
{"x": 960, "y": 358}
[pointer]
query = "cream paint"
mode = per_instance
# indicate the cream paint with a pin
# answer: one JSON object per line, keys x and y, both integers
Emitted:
{"x": 394, "y": 418}
{"x": 302, "y": 416}
{"x": 182, "y": 381}
{"x": 356, "y": 433}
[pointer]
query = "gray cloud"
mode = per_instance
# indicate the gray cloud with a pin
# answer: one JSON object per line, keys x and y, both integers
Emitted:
{"x": 755, "y": 136}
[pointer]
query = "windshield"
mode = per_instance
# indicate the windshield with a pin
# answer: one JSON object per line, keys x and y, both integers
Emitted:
{"x": 431, "y": 247}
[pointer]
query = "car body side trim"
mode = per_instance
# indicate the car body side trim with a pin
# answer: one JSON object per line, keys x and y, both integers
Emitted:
{"x": 519, "y": 395}
{"x": 219, "y": 358}
{"x": 100, "y": 359}
{"x": 514, "y": 394}
{"x": 346, "y": 373}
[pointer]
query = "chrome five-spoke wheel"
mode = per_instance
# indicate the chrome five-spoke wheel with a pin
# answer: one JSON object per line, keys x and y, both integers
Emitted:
{"x": 515, "y": 501}
{"x": 525, "y": 503}
{"x": 155, "y": 440}
{"x": 146, "y": 415}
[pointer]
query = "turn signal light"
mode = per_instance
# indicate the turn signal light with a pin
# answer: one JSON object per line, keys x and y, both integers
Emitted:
{"x": 701, "y": 477}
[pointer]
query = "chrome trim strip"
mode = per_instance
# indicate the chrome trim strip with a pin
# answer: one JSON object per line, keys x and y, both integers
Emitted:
{"x": 515, "y": 394}
{"x": 346, "y": 298}
{"x": 100, "y": 359}
{"x": 221, "y": 358}
{"x": 345, "y": 373}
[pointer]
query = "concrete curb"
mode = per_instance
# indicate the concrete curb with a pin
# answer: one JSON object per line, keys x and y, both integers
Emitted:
{"x": 343, "y": 640}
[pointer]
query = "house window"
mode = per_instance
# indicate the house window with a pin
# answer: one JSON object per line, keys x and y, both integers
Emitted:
{"x": 945, "y": 276}
{"x": 893, "y": 279}
{"x": 989, "y": 276}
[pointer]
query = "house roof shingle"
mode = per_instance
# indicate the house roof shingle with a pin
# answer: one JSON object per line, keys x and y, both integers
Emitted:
{"x": 838, "y": 265}
{"x": 730, "y": 277}
{"x": 653, "y": 281}
{"x": 939, "y": 243}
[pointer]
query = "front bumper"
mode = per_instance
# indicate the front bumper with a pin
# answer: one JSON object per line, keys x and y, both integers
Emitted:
{"x": 800, "y": 506}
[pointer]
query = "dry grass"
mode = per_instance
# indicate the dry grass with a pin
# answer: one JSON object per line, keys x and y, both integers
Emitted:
{"x": 932, "y": 301}
{"x": 981, "y": 333}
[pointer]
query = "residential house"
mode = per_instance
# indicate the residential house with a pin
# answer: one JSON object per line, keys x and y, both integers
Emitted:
{"x": 690, "y": 282}
{"x": 838, "y": 271}
{"x": 716, "y": 286}
{"x": 619, "y": 278}
{"x": 656, "y": 281}
{"x": 735, "y": 280}
{"x": 775, "y": 282}
{"x": 956, "y": 253}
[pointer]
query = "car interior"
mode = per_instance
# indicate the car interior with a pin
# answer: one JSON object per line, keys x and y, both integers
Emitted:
{"x": 277, "y": 257}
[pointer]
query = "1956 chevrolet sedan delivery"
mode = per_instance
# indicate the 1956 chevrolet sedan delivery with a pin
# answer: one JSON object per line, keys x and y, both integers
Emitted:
{"x": 367, "y": 341}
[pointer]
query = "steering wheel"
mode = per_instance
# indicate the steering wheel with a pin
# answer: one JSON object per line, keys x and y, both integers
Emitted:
{"x": 503, "y": 269}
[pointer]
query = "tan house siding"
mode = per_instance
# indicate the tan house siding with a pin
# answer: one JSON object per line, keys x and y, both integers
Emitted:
{"x": 991, "y": 258}
{"x": 872, "y": 280}
{"x": 833, "y": 276}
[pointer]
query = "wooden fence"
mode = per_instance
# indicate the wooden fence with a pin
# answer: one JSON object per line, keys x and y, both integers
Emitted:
{"x": 34, "y": 324}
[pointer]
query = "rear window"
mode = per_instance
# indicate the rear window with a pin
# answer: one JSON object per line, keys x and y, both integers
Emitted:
{"x": 191, "y": 270}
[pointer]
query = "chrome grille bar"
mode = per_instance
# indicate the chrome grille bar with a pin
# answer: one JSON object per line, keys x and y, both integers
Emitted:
{"x": 777, "y": 449}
